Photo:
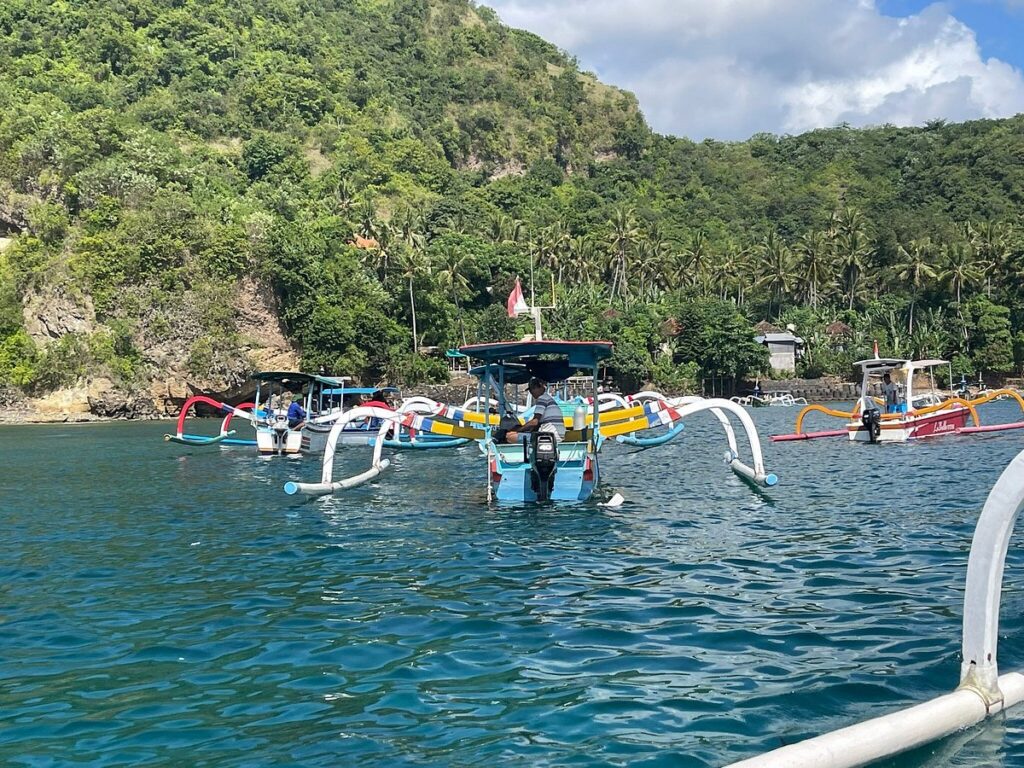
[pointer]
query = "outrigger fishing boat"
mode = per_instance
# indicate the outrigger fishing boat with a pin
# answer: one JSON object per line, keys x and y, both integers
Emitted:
{"x": 542, "y": 467}
{"x": 910, "y": 407}
{"x": 323, "y": 400}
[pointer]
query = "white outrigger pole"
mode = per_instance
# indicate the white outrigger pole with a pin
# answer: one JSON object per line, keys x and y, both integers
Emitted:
{"x": 982, "y": 691}
{"x": 687, "y": 406}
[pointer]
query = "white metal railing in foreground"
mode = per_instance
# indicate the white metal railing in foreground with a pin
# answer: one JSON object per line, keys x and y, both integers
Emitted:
{"x": 982, "y": 691}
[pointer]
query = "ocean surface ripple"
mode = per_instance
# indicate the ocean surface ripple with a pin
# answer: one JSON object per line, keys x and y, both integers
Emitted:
{"x": 165, "y": 606}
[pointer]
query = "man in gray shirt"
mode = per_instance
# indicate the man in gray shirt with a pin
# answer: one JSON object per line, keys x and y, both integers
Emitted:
{"x": 547, "y": 416}
{"x": 891, "y": 393}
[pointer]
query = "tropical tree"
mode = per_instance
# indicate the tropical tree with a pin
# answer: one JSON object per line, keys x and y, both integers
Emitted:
{"x": 959, "y": 268}
{"x": 959, "y": 272}
{"x": 990, "y": 241}
{"x": 698, "y": 256}
{"x": 777, "y": 273}
{"x": 915, "y": 270}
{"x": 451, "y": 273}
{"x": 414, "y": 263}
{"x": 814, "y": 253}
{"x": 582, "y": 257}
{"x": 621, "y": 240}
{"x": 850, "y": 241}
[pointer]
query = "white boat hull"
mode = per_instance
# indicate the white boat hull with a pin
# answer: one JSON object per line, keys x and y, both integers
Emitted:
{"x": 948, "y": 421}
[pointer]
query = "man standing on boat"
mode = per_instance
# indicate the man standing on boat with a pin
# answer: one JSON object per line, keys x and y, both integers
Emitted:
{"x": 547, "y": 416}
{"x": 891, "y": 393}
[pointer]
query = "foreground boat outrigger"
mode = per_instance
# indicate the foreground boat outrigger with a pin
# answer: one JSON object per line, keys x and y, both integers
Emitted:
{"x": 911, "y": 408}
{"x": 541, "y": 468}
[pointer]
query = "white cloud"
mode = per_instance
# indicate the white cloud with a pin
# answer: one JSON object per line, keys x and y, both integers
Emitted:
{"x": 729, "y": 68}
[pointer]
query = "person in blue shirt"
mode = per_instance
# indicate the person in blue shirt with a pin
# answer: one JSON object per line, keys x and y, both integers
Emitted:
{"x": 296, "y": 414}
{"x": 547, "y": 416}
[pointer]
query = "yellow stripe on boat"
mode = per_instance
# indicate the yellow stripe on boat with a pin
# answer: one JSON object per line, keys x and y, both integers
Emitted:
{"x": 435, "y": 427}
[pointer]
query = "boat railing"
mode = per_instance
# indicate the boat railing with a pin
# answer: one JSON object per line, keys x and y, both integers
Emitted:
{"x": 982, "y": 691}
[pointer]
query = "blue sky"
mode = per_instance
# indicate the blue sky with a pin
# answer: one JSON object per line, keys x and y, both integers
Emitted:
{"x": 998, "y": 24}
{"x": 726, "y": 69}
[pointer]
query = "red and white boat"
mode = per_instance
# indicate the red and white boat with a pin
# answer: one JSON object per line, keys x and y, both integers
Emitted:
{"x": 920, "y": 411}
{"x": 916, "y": 408}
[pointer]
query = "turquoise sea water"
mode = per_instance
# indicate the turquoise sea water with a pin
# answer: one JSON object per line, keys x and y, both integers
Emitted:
{"x": 166, "y": 606}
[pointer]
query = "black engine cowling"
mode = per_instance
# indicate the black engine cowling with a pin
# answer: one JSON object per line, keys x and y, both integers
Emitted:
{"x": 872, "y": 421}
{"x": 543, "y": 462}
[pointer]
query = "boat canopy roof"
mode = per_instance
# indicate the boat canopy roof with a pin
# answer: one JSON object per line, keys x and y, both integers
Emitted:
{"x": 580, "y": 353}
{"x": 880, "y": 365}
{"x": 360, "y": 390}
{"x": 297, "y": 378}
{"x": 927, "y": 363}
{"x": 547, "y": 360}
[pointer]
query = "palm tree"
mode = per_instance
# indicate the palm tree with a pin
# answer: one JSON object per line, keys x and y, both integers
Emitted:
{"x": 414, "y": 262}
{"x": 650, "y": 255}
{"x": 621, "y": 240}
{"x": 344, "y": 192}
{"x": 698, "y": 256}
{"x": 582, "y": 257}
{"x": 814, "y": 261}
{"x": 915, "y": 270}
{"x": 551, "y": 247}
{"x": 368, "y": 226}
{"x": 745, "y": 272}
{"x": 849, "y": 236}
{"x": 959, "y": 270}
{"x": 723, "y": 272}
{"x": 451, "y": 274}
{"x": 777, "y": 265}
{"x": 991, "y": 243}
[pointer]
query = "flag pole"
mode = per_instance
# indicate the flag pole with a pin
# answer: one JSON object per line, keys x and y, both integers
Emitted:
{"x": 538, "y": 335}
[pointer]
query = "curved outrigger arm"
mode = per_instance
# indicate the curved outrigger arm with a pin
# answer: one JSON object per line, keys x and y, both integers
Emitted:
{"x": 224, "y": 436}
{"x": 391, "y": 421}
{"x": 982, "y": 692}
{"x": 979, "y": 670}
{"x": 328, "y": 484}
{"x": 660, "y": 410}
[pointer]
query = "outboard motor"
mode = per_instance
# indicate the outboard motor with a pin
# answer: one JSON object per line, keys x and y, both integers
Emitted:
{"x": 543, "y": 460}
{"x": 280, "y": 427}
{"x": 872, "y": 421}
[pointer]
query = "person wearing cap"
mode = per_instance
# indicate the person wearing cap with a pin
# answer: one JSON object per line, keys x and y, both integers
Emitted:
{"x": 547, "y": 416}
{"x": 296, "y": 413}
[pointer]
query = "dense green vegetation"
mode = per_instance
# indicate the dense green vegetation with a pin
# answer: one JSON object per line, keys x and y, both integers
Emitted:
{"x": 153, "y": 152}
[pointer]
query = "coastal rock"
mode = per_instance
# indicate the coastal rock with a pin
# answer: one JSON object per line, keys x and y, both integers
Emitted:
{"x": 107, "y": 400}
{"x": 56, "y": 311}
{"x": 69, "y": 404}
{"x": 263, "y": 339}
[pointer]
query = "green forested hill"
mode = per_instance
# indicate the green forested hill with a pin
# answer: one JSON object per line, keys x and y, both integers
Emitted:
{"x": 162, "y": 162}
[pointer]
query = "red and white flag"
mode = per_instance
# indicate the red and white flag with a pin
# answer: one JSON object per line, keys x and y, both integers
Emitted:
{"x": 516, "y": 303}
{"x": 876, "y": 350}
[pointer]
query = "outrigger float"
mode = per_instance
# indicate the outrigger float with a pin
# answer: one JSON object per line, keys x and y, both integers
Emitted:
{"x": 543, "y": 468}
{"x": 919, "y": 411}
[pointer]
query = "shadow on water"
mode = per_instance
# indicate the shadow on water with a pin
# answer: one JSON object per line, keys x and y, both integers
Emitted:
{"x": 163, "y": 605}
